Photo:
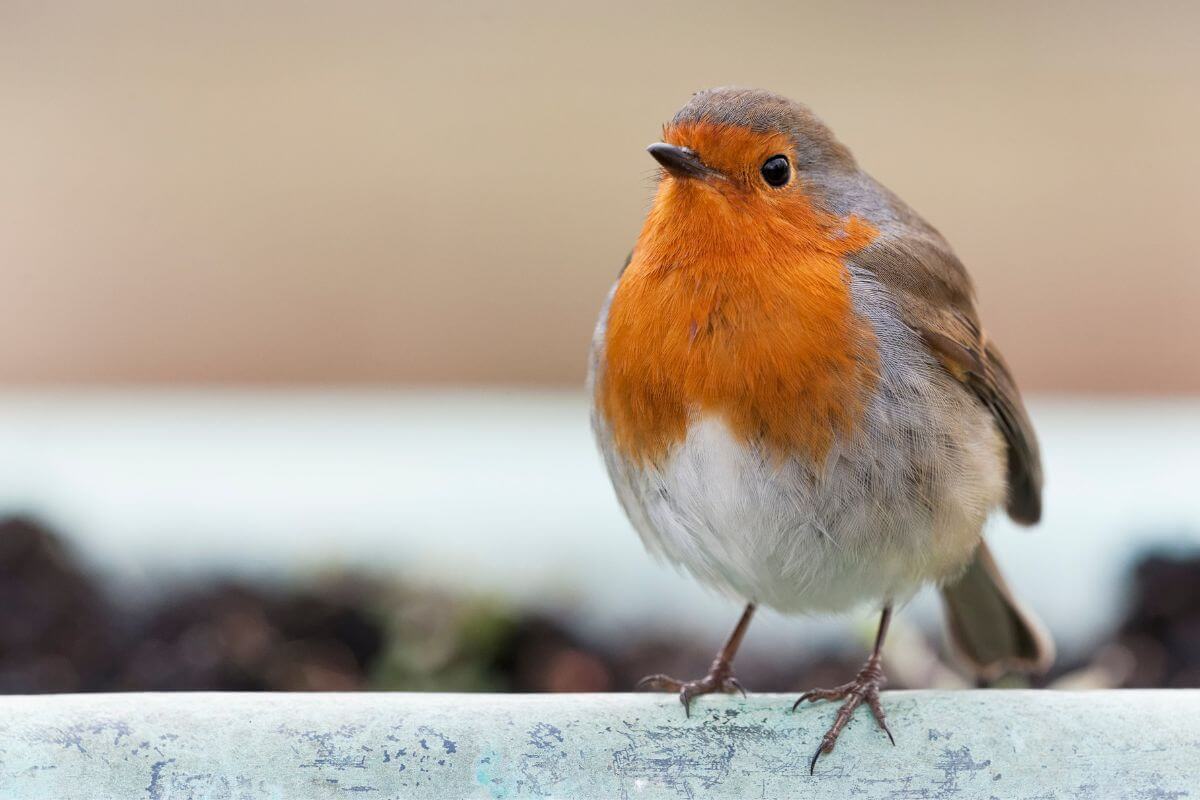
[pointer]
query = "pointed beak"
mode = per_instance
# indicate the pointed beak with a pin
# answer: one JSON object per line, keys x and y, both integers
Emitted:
{"x": 682, "y": 162}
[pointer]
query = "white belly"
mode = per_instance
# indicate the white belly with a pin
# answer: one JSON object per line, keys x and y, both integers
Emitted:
{"x": 794, "y": 540}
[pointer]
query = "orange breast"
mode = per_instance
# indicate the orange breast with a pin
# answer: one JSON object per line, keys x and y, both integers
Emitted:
{"x": 737, "y": 304}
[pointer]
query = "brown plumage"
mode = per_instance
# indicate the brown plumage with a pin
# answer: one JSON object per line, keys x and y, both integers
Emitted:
{"x": 935, "y": 295}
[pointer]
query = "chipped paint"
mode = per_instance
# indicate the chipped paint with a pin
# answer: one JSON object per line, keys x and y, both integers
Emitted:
{"x": 1003, "y": 744}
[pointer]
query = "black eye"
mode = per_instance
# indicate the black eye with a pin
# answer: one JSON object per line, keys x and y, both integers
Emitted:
{"x": 776, "y": 170}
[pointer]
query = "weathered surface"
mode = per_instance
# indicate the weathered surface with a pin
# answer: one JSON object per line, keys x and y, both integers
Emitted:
{"x": 997, "y": 744}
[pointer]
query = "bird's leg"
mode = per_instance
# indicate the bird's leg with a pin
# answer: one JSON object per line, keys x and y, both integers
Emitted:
{"x": 720, "y": 674}
{"x": 863, "y": 689}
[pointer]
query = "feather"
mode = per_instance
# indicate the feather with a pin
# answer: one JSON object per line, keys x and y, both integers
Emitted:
{"x": 935, "y": 298}
{"x": 989, "y": 629}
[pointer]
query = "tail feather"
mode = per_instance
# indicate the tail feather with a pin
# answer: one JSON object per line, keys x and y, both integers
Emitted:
{"x": 989, "y": 629}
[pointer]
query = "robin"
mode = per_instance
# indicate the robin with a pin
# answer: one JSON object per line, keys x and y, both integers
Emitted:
{"x": 796, "y": 401}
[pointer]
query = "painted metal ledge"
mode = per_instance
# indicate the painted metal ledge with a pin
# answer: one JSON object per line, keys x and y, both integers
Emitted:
{"x": 970, "y": 744}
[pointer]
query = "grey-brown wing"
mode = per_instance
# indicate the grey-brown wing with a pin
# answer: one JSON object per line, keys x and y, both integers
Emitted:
{"x": 935, "y": 298}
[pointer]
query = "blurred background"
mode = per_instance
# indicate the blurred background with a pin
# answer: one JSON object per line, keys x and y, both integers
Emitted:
{"x": 298, "y": 298}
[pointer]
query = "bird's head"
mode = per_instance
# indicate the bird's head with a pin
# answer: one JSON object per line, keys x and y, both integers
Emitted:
{"x": 747, "y": 156}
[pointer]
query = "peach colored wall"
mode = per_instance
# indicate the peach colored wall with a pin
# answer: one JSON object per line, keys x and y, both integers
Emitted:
{"x": 384, "y": 192}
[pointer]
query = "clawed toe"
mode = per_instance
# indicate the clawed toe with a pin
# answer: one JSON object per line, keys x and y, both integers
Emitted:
{"x": 719, "y": 679}
{"x": 863, "y": 689}
{"x": 813, "y": 695}
{"x": 658, "y": 683}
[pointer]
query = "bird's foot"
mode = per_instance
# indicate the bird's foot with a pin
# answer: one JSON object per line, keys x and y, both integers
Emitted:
{"x": 863, "y": 689}
{"x": 720, "y": 678}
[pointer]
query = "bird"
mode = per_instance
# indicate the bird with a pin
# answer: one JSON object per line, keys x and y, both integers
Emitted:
{"x": 797, "y": 404}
